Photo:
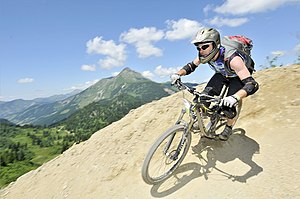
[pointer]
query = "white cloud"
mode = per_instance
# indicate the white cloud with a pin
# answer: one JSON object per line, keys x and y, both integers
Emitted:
{"x": 219, "y": 21}
{"x": 148, "y": 74}
{"x": 297, "y": 47}
{"x": 115, "y": 54}
{"x": 142, "y": 39}
{"x": 278, "y": 53}
{"x": 240, "y": 7}
{"x": 25, "y": 80}
{"x": 111, "y": 62}
{"x": 83, "y": 86}
{"x": 182, "y": 29}
{"x": 88, "y": 67}
{"x": 207, "y": 9}
{"x": 163, "y": 72}
{"x": 146, "y": 50}
{"x": 115, "y": 74}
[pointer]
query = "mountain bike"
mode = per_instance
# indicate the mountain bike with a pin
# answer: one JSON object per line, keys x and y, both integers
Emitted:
{"x": 202, "y": 115}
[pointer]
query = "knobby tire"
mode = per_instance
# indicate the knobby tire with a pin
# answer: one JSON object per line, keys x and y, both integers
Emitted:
{"x": 157, "y": 149}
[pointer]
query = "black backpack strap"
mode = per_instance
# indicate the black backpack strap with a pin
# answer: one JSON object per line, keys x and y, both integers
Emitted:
{"x": 227, "y": 62}
{"x": 246, "y": 58}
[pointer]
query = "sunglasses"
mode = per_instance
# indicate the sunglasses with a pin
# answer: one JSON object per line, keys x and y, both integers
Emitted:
{"x": 203, "y": 47}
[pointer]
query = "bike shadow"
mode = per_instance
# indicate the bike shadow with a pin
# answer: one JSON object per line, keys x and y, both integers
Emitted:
{"x": 238, "y": 146}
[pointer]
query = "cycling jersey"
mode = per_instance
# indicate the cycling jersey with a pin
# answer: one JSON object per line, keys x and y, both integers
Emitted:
{"x": 221, "y": 65}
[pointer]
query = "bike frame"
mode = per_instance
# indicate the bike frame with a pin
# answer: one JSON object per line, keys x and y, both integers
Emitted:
{"x": 197, "y": 110}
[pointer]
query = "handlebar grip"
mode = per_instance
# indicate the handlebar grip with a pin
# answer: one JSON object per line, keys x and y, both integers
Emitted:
{"x": 181, "y": 85}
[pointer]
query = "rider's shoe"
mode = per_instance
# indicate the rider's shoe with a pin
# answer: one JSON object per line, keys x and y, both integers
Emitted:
{"x": 226, "y": 133}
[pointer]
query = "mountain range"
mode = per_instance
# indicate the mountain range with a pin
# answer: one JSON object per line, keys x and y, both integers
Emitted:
{"x": 10, "y": 108}
{"x": 52, "y": 110}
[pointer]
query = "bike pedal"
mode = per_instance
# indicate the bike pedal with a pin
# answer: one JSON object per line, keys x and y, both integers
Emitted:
{"x": 195, "y": 130}
{"x": 211, "y": 136}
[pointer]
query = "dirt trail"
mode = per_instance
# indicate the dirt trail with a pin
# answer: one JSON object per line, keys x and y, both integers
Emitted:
{"x": 261, "y": 160}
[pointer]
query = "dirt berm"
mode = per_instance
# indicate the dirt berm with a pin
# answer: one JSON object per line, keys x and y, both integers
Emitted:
{"x": 260, "y": 160}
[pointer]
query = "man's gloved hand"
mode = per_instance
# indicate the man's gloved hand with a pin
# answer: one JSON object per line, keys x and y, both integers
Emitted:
{"x": 230, "y": 101}
{"x": 174, "y": 78}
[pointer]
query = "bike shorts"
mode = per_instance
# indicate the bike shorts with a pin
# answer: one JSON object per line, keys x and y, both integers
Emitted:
{"x": 215, "y": 84}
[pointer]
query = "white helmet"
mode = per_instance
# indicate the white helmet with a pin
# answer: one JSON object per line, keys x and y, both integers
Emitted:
{"x": 208, "y": 35}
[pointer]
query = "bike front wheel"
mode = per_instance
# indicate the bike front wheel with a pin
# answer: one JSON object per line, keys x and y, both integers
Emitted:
{"x": 166, "y": 154}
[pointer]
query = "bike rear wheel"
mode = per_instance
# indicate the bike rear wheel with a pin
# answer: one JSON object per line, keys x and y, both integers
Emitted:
{"x": 160, "y": 163}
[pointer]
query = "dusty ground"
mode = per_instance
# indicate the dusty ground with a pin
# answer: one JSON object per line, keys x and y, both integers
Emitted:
{"x": 261, "y": 160}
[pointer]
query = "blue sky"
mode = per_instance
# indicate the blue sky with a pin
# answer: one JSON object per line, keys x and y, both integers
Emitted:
{"x": 51, "y": 47}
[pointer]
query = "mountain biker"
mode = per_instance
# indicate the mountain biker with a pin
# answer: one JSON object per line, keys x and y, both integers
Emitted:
{"x": 228, "y": 70}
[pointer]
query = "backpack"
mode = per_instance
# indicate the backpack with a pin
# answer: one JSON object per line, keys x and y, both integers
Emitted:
{"x": 238, "y": 44}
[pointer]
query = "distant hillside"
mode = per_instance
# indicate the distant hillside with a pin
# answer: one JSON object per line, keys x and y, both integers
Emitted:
{"x": 128, "y": 81}
{"x": 8, "y": 109}
{"x": 5, "y": 121}
{"x": 98, "y": 115}
{"x": 12, "y": 108}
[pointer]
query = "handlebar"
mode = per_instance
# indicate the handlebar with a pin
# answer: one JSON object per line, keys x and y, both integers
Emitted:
{"x": 181, "y": 86}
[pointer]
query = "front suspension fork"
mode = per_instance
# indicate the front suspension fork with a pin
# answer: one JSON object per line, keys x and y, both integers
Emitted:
{"x": 183, "y": 139}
